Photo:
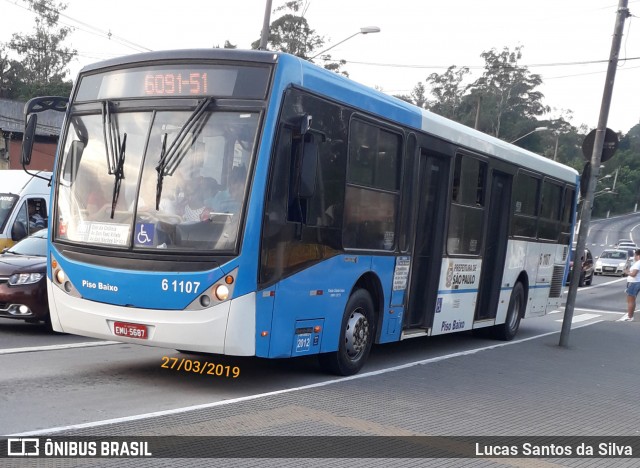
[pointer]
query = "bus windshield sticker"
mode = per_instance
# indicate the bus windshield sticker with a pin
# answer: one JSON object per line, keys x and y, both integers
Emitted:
{"x": 401, "y": 273}
{"x": 108, "y": 233}
{"x": 145, "y": 232}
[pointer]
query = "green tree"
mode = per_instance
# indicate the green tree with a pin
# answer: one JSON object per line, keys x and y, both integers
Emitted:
{"x": 418, "y": 96}
{"x": 43, "y": 58}
{"x": 508, "y": 93}
{"x": 6, "y": 73}
{"x": 292, "y": 34}
{"x": 448, "y": 90}
{"x": 227, "y": 45}
{"x": 626, "y": 192}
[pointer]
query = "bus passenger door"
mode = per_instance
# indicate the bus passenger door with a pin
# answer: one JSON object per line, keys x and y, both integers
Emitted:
{"x": 430, "y": 229}
{"x": 495, "y": 250}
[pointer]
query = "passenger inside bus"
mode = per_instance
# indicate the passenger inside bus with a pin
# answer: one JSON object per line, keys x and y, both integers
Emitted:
{"x": 230, "y": 199}
{"x": 193, "y": 201}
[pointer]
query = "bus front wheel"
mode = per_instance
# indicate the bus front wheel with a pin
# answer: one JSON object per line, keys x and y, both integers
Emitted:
{"x": 508, "y": 330}
{"x": 356, "y": 336}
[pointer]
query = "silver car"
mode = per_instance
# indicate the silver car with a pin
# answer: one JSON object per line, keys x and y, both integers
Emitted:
{"x": 611, "y": 262}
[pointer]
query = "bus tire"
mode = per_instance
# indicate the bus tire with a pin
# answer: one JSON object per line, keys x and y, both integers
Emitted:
{"x": 508, "y": 330}
{"x": 357, "y": 332}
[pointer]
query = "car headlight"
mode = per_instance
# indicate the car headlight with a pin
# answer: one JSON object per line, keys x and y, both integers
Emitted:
{"x": 25, "y": 278}
{"x": 621, "y": 264}
{"x": 598, "y": 263}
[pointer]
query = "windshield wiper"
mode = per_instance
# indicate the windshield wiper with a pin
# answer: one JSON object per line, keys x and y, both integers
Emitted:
{"x": 171, "y": 158}
{"x": 112, "y": 143}
{"x": 111, "y": 137}
{"x": 160, "y": 172}
{"x": 118, "y": 174}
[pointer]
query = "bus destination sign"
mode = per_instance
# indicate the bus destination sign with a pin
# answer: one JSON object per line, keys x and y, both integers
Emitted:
{"x": 175, "y": 80}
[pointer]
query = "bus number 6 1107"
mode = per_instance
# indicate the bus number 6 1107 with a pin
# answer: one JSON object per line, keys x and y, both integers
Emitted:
{"x": 180, "y": 286}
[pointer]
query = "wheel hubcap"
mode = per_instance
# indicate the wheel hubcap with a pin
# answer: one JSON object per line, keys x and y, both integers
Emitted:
{"x": 356, "y": 335}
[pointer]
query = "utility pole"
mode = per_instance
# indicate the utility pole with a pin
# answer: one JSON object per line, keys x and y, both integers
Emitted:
{"x": 478, "y": 112}
{"x": 264, "y": 36}
{"x": 587, "y": 204}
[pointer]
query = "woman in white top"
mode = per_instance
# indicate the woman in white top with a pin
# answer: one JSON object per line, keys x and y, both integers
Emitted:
{"x": 633, "y": 287}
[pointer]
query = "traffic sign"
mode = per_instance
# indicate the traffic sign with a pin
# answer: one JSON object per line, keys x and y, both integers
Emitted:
{"x": 608, "y": 148}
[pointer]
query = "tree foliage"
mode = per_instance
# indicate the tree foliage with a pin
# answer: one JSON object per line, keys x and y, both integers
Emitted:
{"x": 624, "y": 196}
{"x": 417, "y": 97}
{"x": 511, "y": 92}
{"x": 292, "y": 34}
{"x": 42, "y": 57}
{"x": 449, "y": 91}
{"x": 505, "y": 102}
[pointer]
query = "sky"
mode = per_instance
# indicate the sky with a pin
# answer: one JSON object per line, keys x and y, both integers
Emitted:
{"x": 416, "y": 38}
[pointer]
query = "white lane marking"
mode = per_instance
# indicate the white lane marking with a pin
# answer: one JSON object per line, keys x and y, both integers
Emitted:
{"x": 596, "y": 311}
{"x": 617, "y": 280}
{"x": 581, "y": 318}
{"x": 56, "y": 347}
{"x": 599, "y": 311}
{"x": 215, "y": 404}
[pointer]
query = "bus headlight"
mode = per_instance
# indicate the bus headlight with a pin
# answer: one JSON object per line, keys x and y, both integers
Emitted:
{"x": 222, "y": 292}
{"x": 60, "y": 276}
{"x": 219, "y": 292}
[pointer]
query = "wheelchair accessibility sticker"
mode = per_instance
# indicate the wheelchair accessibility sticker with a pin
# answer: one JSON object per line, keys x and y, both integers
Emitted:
{"x": 144, "y": 233}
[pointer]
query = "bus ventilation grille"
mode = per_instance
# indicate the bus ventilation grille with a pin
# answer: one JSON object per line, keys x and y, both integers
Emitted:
{"x": 556, "y": 281}
{"x": 565, "y": 252}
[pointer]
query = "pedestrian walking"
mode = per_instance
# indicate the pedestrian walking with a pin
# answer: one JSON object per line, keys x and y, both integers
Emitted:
{"x": 633, "y": 287}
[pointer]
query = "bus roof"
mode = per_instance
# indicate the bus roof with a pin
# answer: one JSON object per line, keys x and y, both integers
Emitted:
{"x": 317, "y": 79}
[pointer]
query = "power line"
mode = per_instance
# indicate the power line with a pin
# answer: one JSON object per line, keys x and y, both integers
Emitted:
{"x": 92, "y": 29}
{"x": 480, "y": 67}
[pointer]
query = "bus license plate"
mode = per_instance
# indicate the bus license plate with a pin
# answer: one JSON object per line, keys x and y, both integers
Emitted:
{"x": 130, "y": 330}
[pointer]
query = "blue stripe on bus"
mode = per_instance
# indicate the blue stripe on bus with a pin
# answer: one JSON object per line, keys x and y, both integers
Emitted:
{"x": 457, "y": 291}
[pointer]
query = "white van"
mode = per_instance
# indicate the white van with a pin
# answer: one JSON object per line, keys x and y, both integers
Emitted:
{"x": 19, "y": 191}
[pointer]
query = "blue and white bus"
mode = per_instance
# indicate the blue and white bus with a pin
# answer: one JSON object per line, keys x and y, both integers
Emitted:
{"x": 250, "y": 203}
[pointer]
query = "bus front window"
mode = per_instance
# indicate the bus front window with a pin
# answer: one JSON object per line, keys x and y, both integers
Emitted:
{"x": 91, "y": 208}
{"x": 177, "y": 188}
{"x": 195, "y": 198}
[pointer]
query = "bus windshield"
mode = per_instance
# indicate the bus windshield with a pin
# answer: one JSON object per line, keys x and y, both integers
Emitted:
{"x": 140, "y": 180}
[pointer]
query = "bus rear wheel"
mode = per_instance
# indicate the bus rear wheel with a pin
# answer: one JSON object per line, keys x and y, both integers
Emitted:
{"x": 356, "y": 336}
{"x": 508, "y": 330}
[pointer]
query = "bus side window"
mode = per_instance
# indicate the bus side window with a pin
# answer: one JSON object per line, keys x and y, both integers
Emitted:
{"x": 467, "y": 209}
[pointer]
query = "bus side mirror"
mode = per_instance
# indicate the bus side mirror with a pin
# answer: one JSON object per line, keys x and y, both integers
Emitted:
{"x": 28, "y": 139}
{"x": 308, "y": 167}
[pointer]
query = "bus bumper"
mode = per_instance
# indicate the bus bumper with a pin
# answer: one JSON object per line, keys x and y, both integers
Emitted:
{"x": 227, "y": 328}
